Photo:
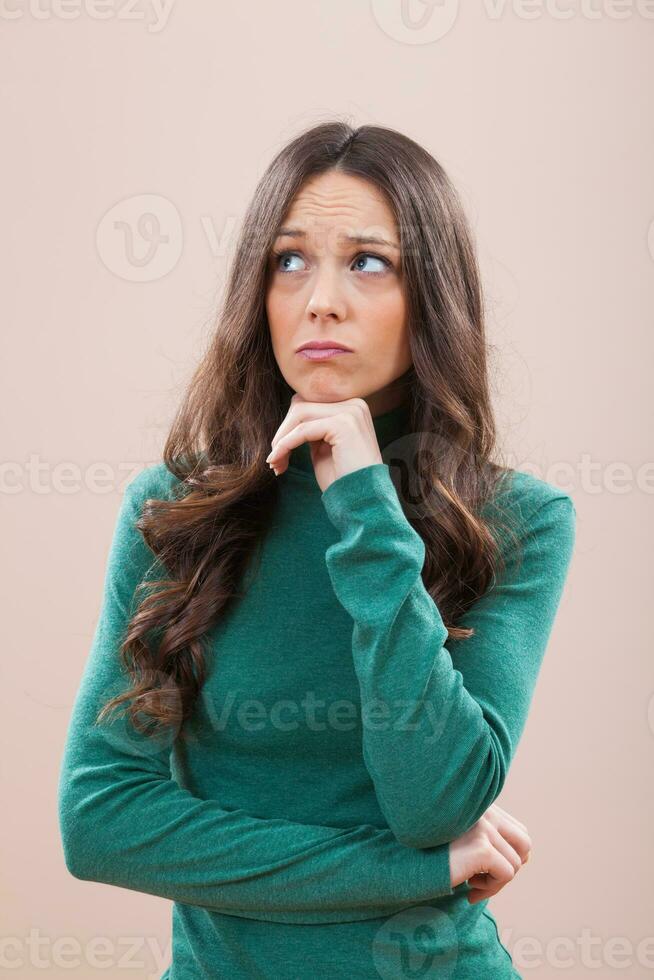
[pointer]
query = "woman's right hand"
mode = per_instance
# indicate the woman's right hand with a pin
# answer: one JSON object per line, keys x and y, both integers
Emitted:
{"x": 489, "y": 855}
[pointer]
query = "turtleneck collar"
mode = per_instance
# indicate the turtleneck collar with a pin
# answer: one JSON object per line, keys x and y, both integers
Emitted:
{"x": 388, "y": 426}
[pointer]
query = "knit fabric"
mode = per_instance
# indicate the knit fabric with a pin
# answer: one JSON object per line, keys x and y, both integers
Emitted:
{"x": 300, "y": 820}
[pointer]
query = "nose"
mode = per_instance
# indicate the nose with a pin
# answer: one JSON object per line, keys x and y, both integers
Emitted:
{"x": 326, "y": 299}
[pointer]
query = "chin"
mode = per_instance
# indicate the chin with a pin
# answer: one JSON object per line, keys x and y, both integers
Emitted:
{"x": 326, "y": 392}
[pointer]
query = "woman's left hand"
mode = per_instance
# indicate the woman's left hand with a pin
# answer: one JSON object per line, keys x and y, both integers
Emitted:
{"x": 342, "y": 437}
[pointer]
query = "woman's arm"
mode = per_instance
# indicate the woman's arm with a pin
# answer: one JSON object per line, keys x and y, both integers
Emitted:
{"x": 444, "y": 720}
{"x": 126, "y": 822}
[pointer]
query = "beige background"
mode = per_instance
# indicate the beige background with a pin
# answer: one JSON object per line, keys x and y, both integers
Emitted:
{"x": 542, "y": 115}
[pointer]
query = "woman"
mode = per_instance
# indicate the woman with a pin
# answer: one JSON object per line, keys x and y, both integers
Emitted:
{"x": 326, "y": 662}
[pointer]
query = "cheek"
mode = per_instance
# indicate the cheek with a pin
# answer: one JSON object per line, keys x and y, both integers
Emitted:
{"x": 281, "y": 306}
{"x": 278, "y": 317}
{"x": 392, "y": 337}
{"x": 388, "y": 323}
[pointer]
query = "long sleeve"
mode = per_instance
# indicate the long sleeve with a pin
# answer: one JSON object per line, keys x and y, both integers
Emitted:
{"x": 125, "y": 821}
{"x": 444, "y": 717}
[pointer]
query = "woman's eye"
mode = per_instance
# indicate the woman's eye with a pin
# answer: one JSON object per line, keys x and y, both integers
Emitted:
{"x": 384, "y": 263}
{"x": 283, "y": 258}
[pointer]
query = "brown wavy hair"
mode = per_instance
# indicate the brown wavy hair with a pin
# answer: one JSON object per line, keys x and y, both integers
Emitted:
{"x": 237, "y": 398}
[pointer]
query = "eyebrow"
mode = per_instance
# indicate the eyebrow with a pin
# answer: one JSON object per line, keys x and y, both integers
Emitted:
{"x": 358, "y": 239}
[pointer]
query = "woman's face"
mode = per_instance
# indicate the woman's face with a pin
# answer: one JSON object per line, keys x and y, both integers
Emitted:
{"x": 322, "y": 286}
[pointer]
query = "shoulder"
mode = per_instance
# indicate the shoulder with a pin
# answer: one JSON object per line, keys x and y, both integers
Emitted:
{"x": 152, "y": 482}
{"x": 155, "y": 481}
{"x": 537, "y": 509}
{"x": 527, "y": 494}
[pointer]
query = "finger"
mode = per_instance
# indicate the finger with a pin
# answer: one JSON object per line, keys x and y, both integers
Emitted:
{"x": 496, "y": 872}
{"x": 484, "y": 885}
{"x": 505, "y": 847}
{"x": 303, "y": 411}
{"x": 297, "y": 412}
{"x": 511, "y": 830}
{"x": 316, "y": 430}
{"x": 504, "y": 813}
{"x": 482, "y": 881}
{"x": 481, "y": 895}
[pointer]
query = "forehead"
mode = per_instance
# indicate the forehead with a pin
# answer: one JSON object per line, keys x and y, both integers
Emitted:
{"x": 338, "y": 200}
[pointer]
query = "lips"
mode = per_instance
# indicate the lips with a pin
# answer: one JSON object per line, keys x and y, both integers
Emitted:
{"x": 321, "y": 353}
{"x": 328, "y": 344}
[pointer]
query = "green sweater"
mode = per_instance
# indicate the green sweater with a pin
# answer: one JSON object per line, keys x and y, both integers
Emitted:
{"x": 300, "y": 821}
